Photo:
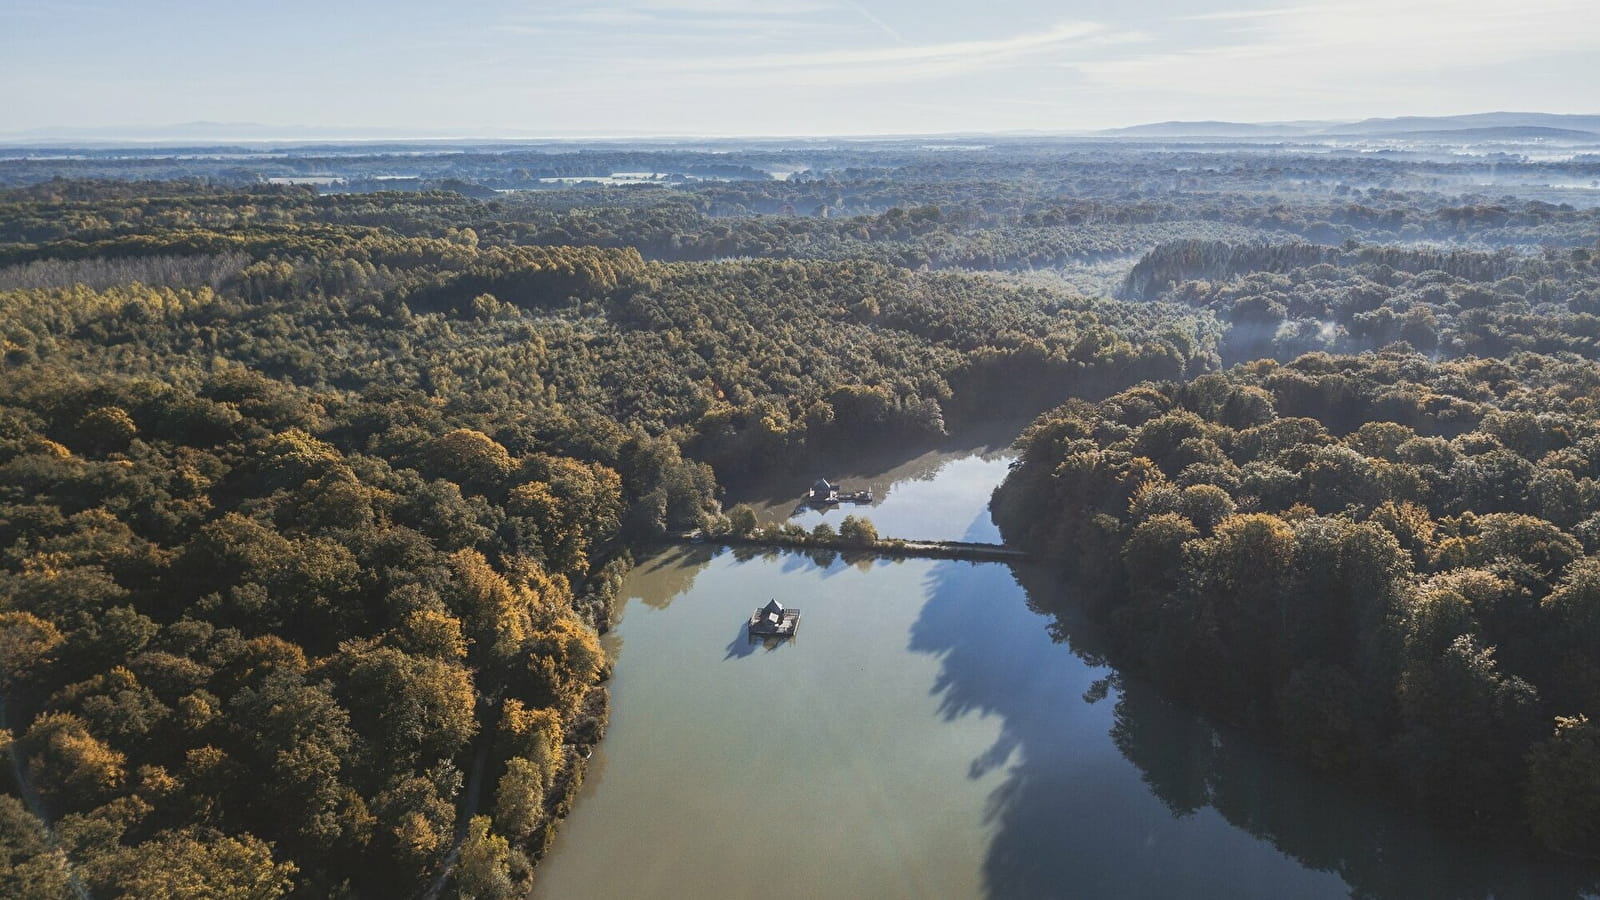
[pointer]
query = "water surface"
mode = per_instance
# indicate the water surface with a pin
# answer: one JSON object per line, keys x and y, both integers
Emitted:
{"x": 938, "y": 494}
{"x": 932, "y": 732}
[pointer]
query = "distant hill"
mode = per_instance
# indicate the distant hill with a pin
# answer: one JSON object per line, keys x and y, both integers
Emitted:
{"x": 1502, "y": 133}
{"x": 1478, "y": 126}
{"x": 1209, "y": 129}
{"x": 1413, "y": 124}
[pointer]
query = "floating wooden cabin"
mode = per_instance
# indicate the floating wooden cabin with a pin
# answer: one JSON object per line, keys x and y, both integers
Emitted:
{"x": 824, "y": 494}
{"x": 774, "y": 620}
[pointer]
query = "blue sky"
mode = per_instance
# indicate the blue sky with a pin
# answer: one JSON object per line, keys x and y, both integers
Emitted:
{"x": 754, "y": 67}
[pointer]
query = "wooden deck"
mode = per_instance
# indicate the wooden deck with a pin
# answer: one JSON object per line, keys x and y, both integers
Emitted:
{"x": 833, "y": 496}
{"x": 766, "y": 623}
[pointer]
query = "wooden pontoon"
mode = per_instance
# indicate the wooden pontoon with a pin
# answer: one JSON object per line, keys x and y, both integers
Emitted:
{"x": 775, "y": 621}
{"x": 824, "y": 494}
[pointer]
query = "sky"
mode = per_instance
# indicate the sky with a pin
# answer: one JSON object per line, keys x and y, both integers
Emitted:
{"x": 517, "y": 68}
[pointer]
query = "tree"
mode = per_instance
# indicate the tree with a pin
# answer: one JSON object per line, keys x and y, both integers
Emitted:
{"x": 1461, "y": 701}
{"x": 1569, "y": 633}
{"x": 27, "y": 644}
{"x": 196, "y": 864}
{"x": 1205, "y": 505}
{"x": 30, "y": 868}
{"x": 575, "y": 506}
{"x": 415, "y": 820}
{"x": 742, "y": 519}
{"x": 298, "y": 740}
{"x": 417, "y": 709}
{"x": 484, "y": 870}
{"x": 562, "y": 661}
{"x": 107, "y": 429}
{"x": 533, "y": 734}
{"x": 1563, "y": 792}
{"x": 856, "y": 532}
{"x": 294, "y": 457}
{"x": 67, "y": 763}
{"x": 1243, "y": 596}
{"x": 519, "y": 799}
{"x": 496, "y": 616}
{"x": 429, "y": 632}
{"x": 1347, "y": 579}
{"x": 1152, "y": 556}
{"x": 471, "y": 459}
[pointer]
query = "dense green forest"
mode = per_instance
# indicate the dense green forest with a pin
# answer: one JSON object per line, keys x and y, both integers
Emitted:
{"x": 315, "y": 503}
{"x": 314, "y": 507}
{"x": 1383, "y": 562}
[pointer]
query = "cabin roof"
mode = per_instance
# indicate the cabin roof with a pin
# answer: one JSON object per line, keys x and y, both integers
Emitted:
{"x": 822, "y": 485}
{"x": 774, "y": 619}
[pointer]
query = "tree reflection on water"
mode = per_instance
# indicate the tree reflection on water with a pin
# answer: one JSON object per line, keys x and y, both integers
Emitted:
{"x": 1071, "y": 817}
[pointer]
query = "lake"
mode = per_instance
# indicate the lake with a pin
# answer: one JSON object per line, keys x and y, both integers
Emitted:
{"x": 940, "y": 494}
{"x": 933, "y": 731}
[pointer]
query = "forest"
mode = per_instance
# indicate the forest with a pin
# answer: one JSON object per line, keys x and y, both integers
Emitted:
{"x": 316, "y": 501}
{"x": 1384, "y": 562}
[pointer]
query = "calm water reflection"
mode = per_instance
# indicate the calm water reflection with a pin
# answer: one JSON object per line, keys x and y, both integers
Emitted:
{"x": 933, "y": 733}
{"x": 940, "y": 494}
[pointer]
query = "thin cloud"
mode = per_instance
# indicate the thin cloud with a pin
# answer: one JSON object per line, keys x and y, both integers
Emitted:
{"x": 881, "y": 24}
{"x": 1332, "y": 48}
{"x": 957, "y": 52}
{"x": 777, "y": 8}
{"x": 1230, "y": 15}
{"x": 680, "y": 19}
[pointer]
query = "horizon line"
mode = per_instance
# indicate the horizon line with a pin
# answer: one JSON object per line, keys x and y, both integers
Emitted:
{"x": 89, "y": 136}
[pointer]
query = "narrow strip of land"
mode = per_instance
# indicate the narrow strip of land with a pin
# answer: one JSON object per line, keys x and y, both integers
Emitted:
{"x": 887, "y": 547}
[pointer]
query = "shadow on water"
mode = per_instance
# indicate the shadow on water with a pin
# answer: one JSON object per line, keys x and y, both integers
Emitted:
{"x": 1072, "y": 816}
{"x": 744, "y": 644}
{"x": 982, "y": 530}
{"x": 873, "y": 466}
{"x": 672, "y": 573}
